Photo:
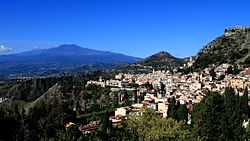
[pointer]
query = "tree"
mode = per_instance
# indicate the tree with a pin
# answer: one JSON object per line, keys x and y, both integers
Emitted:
{"x": 233, "y": 114}
{"x": 148, "y": 85}
{"x": 244, "y": 103}
{"x": 150, "y": 126}
{"x": 229, "y": 70}
{"x": 105, "y": 123}
{"x": 126, "y": 97}
{"x": 135, "y": 96}
{"x": 209, "y": 118}
{"x": 235, "y": 69}
{"x": 10, "y": 124}
{"x": 212, "y": 73}
{"x": 78, "y": 109}
{"x": 219, "y": 117}
{"x": 71, "y": 134}
{"x": 248, "y": 131}
{"x": 162, "y": 88}
{"x": 222, "y": 77}
{"x": 182, "y": 113}
{"x": 135, "y": 86}
{"x": 141, "y": 97}
{"x": 247, "y": 61}
{"x": 172, "y": 109}
{"x": 115, "y": 100}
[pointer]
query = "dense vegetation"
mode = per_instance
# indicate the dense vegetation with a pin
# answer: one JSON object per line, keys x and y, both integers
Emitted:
{"x": 27, "y": 90}
{"x": 220, "y": 117}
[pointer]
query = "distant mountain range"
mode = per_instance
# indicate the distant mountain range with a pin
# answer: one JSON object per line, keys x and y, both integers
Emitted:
{"x": 232, "y": 47}
{"x": 61, "y": 59}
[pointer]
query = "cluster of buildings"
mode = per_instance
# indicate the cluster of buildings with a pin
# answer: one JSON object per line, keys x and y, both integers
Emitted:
{"x": 187, "y": 89}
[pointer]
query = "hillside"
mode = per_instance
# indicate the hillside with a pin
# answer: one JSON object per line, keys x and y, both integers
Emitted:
{"x": 159, "y": 61}
{"x": 232, "y": 47}
{"x": 65, "y": 92}
{"x": 65, "y": 58}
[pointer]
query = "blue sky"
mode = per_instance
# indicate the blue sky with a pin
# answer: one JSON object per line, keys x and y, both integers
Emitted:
{"x": 133, "y": 27}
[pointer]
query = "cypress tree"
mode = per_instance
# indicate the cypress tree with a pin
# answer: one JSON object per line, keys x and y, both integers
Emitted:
{"x": 172, "y": 108}
{"x": 244, "y": 103}
{"x": 182, "y": 113}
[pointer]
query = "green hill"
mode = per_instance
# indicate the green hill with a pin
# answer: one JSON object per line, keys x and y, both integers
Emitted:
{"x": 161, "y": 60}
{"x": 232, "y": 47}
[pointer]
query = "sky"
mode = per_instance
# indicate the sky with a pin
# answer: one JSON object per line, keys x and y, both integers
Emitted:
{"x": 133, "y": 27}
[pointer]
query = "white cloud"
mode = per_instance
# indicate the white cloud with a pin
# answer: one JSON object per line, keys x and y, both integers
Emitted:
{"x": 35, "y": 47}
{"x": 5, "y": 49}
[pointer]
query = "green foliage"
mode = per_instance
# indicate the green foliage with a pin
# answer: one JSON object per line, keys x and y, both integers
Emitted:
{"x": 219, "y": 117}
{"x": 115, "y": 99}
{"x": 182, "y": 113}
{"x": 135, "y": 86}
{"x": 244, "y": 51}
{"x": 235, "y": 69}
{"x": 162, "y": 88}
{"x": 10, "y": 123}
{"x": 248, "y": 131}
{"x": 148, "y": 85}
{"x": 27, "y": 90}
{"x": 150, "y": 126}
{"x": 247, "y": 62}
{"x": 209, "y": 116}
{"x": 141, "y": 97}
{"x": 127, "y": 97}
{"x": 244, "y": 104}
{"x": 71, "y": 134}
{"x": 105, "y": 123}
{"x": 177, "y": 111}
{"x": 172, "y": 109}
{"x": 135, "y": 96}
{"x": 42, "y": 121}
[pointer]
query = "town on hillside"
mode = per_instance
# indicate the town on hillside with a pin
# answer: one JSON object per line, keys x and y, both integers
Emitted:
{"x": 156, "y": 89}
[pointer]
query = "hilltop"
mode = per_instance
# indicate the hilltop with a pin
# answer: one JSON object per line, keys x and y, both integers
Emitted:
{"x": 161, "y": 60}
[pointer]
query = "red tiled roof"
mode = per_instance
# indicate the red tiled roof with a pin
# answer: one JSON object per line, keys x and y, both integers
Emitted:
{"x": 120, "y": 116}
{"x": 88, "y": 127}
